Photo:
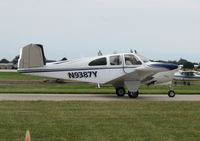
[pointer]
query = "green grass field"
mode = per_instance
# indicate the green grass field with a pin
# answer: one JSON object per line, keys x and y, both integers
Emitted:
{"x": 100, "y": 121}
{"x": 17, "y": 76}
{"x": 74, "y": 88}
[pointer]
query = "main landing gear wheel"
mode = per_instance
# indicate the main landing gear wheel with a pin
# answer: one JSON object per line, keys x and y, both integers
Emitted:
{"x": 120, "y": 91}
{"x": 133, "y": 94}
{"x": 171, "y": 93}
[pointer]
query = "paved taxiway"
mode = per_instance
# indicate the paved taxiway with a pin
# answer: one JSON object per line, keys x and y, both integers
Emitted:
{"x": 93, "y": 97}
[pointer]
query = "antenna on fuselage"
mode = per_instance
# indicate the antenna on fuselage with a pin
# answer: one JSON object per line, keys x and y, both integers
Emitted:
{"x": 100, "y": 53}
{"x": 135, "y": 51}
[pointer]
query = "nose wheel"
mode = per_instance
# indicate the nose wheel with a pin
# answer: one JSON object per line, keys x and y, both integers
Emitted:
{"x": 171, "y": 93}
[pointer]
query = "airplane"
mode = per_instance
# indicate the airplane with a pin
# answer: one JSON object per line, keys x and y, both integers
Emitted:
{"x": 125, "y": 70}
{"x": 187, "y": 77}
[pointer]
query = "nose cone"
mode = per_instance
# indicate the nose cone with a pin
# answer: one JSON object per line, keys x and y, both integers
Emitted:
{"x": 167, "y": 66}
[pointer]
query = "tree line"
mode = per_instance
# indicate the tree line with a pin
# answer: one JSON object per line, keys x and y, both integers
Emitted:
{"x": 186, "y": 64}
{"x": 14, "y": 60}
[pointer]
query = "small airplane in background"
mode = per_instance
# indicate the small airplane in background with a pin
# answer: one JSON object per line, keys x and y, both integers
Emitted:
{"x": 187, "y": 77}
{"x": 121, "y": 70}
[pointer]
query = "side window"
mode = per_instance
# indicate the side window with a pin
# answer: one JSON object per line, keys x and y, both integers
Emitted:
{"x": 131, "y": 60}
{"x": 98, "y": 62}
{"x": 115, "y": 60}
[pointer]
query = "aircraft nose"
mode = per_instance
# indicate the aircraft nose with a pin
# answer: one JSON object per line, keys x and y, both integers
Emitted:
{"x": 168, "y": 66}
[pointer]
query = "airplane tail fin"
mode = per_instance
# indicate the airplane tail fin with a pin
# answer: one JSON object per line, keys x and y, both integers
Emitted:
{"x": 31, "y": 56}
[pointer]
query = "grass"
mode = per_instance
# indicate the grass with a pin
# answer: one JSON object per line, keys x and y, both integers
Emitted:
{"x": 4, "y": 76}
{"x": 75, "y": 87}
{"x": 88, "y": 88}
{"x": 100, "y": 121}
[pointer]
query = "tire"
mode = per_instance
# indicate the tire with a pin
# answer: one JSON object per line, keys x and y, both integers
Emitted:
{"x": 120, "y": 91}
{"x": 133, "y": 94}
{"x": 171, "y": 93}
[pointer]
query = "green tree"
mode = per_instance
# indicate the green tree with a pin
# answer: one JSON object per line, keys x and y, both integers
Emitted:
{"x": 4, "y": 61}
{"x": 63, "y": 59}
{"x": 188, "y": 65}
{"x": 15, "y": 60}
{"x": 182, "y": 61}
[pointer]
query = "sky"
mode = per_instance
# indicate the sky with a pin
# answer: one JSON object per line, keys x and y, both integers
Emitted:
{"x": 157, "y": 29}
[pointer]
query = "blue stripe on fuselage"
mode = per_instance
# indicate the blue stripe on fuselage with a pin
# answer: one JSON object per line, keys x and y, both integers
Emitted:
{"x": 165, "y": 65}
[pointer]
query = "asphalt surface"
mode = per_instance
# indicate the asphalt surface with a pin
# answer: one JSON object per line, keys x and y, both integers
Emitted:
{"x": 93, "y": 97}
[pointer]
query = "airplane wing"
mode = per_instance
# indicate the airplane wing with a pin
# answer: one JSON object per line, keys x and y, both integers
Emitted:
{"x": 137, "y": 75}
{"x": 133, "y": 78}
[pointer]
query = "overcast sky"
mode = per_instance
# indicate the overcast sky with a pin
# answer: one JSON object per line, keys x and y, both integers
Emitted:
{"x": 158, "y": 29}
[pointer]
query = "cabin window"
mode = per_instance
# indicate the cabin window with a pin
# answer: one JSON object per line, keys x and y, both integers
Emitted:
{"x": 131, "y": 60}
{"x": 98, "y": 62}
{"x": 115, "y": 60}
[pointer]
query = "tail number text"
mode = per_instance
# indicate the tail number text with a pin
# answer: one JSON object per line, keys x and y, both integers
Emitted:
{"x": 87, "y": 74}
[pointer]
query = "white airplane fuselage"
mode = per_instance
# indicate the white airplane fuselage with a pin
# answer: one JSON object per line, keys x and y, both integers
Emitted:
{"x": 79, "y": 70}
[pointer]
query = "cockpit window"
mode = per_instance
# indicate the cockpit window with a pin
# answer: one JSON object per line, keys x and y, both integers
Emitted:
{"x": 131, "y": 60}
{"x": 115, "y": 60}
{"x": 98, "y": 62}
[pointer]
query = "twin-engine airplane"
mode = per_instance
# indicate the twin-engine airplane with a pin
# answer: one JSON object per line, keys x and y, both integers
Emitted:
{"x": 121, "y": 70}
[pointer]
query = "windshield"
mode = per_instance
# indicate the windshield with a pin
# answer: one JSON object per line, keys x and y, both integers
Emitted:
{"x": 144, "y": 59}
{"x": 131, "y": 60}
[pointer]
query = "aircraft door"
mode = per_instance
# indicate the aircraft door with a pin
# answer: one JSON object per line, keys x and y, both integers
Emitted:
{"x": 130, "y": 62}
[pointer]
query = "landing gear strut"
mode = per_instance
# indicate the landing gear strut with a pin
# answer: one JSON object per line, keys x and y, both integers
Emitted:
{"x": 120, "y": 91}
{"x": 133, "y": 94}
{"x": 171, "y": 92}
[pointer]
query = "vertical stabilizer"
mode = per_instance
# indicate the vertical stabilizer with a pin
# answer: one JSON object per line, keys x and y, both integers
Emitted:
{"x": 31, "y": 56}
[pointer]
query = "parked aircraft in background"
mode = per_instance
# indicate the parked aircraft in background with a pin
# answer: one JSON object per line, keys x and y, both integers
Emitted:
{"x": 121, "y": 70}
{"x": 187, "y": 77}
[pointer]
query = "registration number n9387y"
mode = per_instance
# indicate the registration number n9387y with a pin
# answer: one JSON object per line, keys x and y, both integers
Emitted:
{"x": 85, "y": 74}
